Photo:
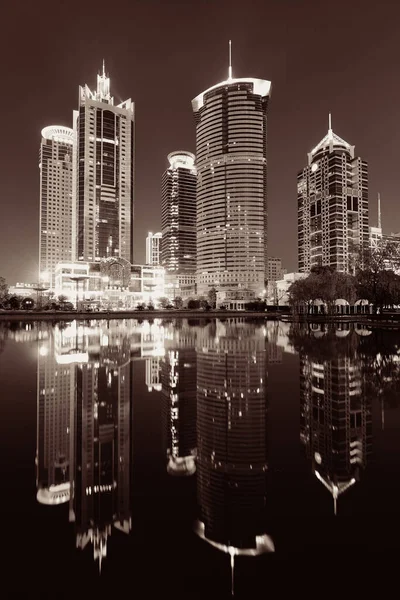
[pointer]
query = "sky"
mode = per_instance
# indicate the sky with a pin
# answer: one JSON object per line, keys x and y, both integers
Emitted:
{"x": 340, "y": 57}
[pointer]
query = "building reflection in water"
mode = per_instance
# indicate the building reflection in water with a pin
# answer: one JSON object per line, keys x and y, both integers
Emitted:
{"x": 178, "y": 381}
{"x": 335, "y": 422}
{"x": 84, "y": 433}
{"x": 55, "y": 402}
{"x": 232, "y": 438}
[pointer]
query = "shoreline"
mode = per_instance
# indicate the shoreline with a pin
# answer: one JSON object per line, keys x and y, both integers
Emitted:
{"x": 371, "y": 320}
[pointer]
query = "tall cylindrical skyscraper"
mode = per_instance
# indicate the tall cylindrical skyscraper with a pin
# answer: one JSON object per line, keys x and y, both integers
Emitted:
{"x": 231, "y": 151}
{"x": 55, "y": 222}
{"x": 178, "y": 223}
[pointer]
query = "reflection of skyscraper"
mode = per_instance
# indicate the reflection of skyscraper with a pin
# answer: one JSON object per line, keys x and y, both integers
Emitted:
{"x": 55, "y": 399}
{"x": 336, "y": 421}
{"x": 232, "y": 438}
{"x": 153, "y": 368}
{"x": 102, "y": 453}
{"x": 84, "y": 429}
{"x": 178, "y": 380}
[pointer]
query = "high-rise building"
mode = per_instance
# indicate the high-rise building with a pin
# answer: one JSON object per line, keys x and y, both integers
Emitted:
{"x": 55, "y": 221}
{"x": 104, "y": 178}
{"x": 178, "y": 219}
{"x": 332, "y": 193}
{"x": 231, "y": 154}
{"x": 153, "y": 248}
{"x": 275, "y": 269}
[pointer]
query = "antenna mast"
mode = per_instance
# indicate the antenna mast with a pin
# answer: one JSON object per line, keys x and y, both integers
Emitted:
{"x": 379, "y": 212}
{"x": 230, "y": 61}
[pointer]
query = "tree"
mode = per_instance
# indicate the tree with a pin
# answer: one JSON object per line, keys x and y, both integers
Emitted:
{"x": 212, "y": 297}
{"x": 28, "y": 303}
{"x": 193, "y": 304}
{"x": 178, "y": 302}
{"x": 323, "y": 283}
{"x": 3, "y": 291}
{"x": 62, "y": 299}
{"x": 150, "y": 306}
{"x": 14, "y": 302}
{"x": 163, "y": 302}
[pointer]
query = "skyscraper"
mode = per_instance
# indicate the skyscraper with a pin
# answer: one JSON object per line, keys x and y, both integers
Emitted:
{"x": 178, "y": 217}
{"x": 104, "y": 177}
{"x": 332, "y": 193}
{"x": 231, "y": 151}
{"x": 153, "y": 248}
{"x": 55, "y": 221}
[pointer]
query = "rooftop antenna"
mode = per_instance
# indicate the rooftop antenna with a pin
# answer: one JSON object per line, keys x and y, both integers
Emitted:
{"x": 104, "y": 68}
{"x": 330, "y": 121}
{"x": 379, "y": 212}
{"x": 230, "y": 61}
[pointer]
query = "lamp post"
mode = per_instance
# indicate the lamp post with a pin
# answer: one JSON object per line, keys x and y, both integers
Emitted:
{"x": 77, "y": 279}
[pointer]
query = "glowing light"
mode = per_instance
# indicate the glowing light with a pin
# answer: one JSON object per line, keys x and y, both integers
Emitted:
{"x": 43, "y": 351}
{"x": 58, "y": 133}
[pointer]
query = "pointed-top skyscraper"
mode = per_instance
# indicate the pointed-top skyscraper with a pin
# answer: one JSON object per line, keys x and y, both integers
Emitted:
{"x": 104, "y": 174}
{"x": 231, "y": 153}
{"x": 332, "y": 195}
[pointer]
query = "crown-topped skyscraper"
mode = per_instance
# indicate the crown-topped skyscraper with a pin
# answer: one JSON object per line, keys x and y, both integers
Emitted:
{"x": 231, "y": 153}
{"x": 104, "y": 174}
{"x": 332, "y": 194}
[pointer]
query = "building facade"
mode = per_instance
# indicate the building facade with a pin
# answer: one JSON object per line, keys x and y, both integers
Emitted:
{"x": 104, "y": 175}
{"x": 153, "y": 248}
{"x": 109, "y": 283}
{"x": 275, "y": 269}
{"x": 231, "y": 151}
{"x": 55, "y": 220}
{"x": 332, "y": 194}
{"x": 178, "y": 219}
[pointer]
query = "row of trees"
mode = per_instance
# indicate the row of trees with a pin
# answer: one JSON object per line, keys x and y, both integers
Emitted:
{"x": 375, "y": 279}
{"x": 16, "y": 302}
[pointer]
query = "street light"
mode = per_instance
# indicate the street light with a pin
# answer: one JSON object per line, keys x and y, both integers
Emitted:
{"x": 39, "y": 289}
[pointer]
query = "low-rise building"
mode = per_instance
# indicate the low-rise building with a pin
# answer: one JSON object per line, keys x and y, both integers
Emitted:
{"x": 234, "y": 299}
{"x": 109, "y": 283}
{"x": 283, "y": 285}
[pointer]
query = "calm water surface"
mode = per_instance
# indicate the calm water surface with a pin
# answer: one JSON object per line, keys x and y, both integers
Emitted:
{"x": 194, "y": 459}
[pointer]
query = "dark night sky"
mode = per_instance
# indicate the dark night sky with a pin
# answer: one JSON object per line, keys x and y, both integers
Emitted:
{"x": 342, "y": 57}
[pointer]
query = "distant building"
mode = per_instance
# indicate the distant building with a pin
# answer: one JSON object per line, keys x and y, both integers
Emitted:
{"x": 231, "y": 152}
{"x": 178, "y": 221}
{"x": 104, "y": 175}
{"x": 234, "y": 299}
{"x": 153, "y": 248}
{"x": 280, "y": 294}
{"x": 55, "y": 216}
{"x": 26, "y": 290}
{"x": 332, "y": 193}
{"x": 275, "y": 269}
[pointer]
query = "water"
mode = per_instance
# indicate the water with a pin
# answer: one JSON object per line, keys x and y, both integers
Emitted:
{"x": 196, "y": 458}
